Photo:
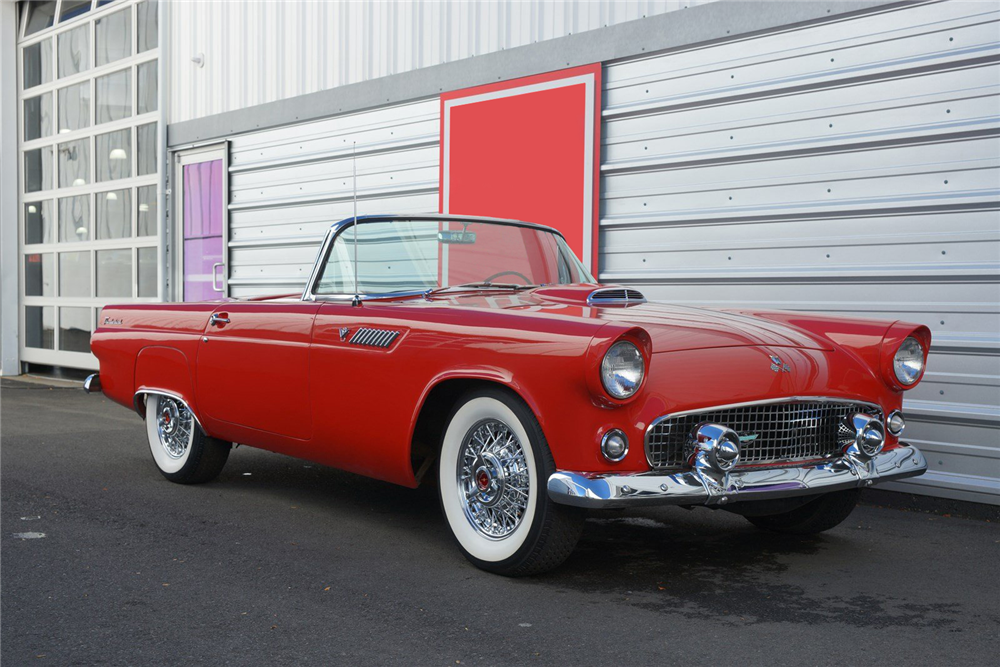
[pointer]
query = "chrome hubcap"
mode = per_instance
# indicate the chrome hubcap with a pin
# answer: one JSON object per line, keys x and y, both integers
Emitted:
{"x": 493, "y": 479}
{"x": 174, "y": 423}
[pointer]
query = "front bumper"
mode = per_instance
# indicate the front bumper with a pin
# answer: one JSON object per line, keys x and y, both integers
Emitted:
{"x": 694, "y": 487}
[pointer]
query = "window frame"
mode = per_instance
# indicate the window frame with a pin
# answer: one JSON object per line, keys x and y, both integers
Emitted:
{"x": 133, "y": 183}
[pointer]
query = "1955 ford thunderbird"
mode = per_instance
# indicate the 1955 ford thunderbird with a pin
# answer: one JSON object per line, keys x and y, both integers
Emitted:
{"x": 481, "y": 354}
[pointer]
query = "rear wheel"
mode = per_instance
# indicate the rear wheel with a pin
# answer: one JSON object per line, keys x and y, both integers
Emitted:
{"x": 492, "y": 474}
{"x": 181, "y": 451}
{"x": 824, "y": 513}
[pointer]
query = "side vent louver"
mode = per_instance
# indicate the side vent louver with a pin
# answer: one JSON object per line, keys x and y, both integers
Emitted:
{"x": 373, "y": 337}
{"x": 615, "y": 296}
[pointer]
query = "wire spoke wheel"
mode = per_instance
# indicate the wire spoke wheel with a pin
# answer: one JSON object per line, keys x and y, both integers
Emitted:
{"x": 174, "y": 425}
{"x": 493, "y": 479}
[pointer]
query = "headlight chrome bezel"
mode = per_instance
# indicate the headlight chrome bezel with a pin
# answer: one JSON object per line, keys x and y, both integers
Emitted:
{"x": 913, "y": 355}
{"x": 606, "y": 372}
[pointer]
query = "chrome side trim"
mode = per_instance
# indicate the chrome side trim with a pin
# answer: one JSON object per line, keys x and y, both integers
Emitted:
{"x": 700, "y": 488}
{"x": 370, "y": 337}
{"x": 93, "y": 383}
{"x": 140, "y": 405}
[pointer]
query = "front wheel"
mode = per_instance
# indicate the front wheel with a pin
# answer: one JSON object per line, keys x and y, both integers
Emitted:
{"x": 181, "y": 450}
{"x": 823, "y": 513}
{"x": 492, "y": 474}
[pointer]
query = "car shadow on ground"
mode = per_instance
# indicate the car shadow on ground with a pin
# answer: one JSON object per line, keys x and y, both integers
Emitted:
{"x": 702, "y": 563}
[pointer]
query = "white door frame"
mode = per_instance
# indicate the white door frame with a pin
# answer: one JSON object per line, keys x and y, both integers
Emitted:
{"x": 208, "y": 153}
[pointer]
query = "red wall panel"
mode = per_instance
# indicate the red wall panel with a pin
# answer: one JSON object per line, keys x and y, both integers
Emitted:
{"x": 528, "y": 149}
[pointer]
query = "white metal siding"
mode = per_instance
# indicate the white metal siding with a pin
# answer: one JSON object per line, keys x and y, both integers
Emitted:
{"x": 257, "y": 52}
{"x": 851, "y": 167}
{"x": 288, "y": 185}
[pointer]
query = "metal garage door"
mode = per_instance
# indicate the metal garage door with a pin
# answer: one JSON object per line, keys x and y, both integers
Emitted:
{"x": 288, "y": 185}
{"x": 847, "y": 167}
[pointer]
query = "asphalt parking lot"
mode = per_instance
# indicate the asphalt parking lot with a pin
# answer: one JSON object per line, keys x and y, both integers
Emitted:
{"x": 283, "y": 562}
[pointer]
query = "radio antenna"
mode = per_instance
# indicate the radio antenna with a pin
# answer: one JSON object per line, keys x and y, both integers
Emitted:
{"x": 354, "y": 166}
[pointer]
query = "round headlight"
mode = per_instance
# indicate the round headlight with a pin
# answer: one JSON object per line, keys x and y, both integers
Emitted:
{"x": 908, "y": 364}
{"x": 622, "y": 369}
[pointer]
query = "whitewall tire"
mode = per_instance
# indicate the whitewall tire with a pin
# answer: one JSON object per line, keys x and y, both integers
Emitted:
{"x": 180, "y": 449}
{"x": 492, "y": 474}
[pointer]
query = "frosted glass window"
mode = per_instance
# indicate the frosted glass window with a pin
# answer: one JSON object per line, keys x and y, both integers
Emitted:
{"x": 40, "y": 16}
{"x": 74, "y": 107}
{"x": 114, "y": 96}
{"x": 74, "y": 50}
{"x": 74, "y": 218}
{"x": 38, "y": 117}
{"x": 38, "y": 276}
{"x": 74, "y": 329}
{"x": 147, "y": 211}
{"x": 113, "y": 34}
{"x": 114, "y": 155}
{"x": 146, "y": 138}
{"x": 74, "y": 274}
{"x": 146, "y": 19}
{"x": 37, "y": 64}
{"x": 40, "y": 326}
{"x": 146, "y": 82}
{"x": 38, "y": 169}
{"x": 114, "y": 273}
{"x": 114, "y": 214}
{"x": 74, "y": 163}
{"x": 39, "y": 226}
{"x": 147, "y": 272}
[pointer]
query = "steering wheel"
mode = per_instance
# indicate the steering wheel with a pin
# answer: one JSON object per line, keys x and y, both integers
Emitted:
{"x": 506, "y": 273}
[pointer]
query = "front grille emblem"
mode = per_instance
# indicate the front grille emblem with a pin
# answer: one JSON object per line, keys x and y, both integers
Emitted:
{"x": 778, "y": 366}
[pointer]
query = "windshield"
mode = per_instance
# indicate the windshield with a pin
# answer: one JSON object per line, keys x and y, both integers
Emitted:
{"x": 420, "y": 255}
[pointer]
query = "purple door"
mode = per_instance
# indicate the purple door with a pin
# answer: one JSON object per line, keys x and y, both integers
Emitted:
{"x": 204, "y": 268}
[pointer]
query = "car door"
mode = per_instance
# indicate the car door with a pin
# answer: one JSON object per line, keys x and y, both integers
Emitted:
{"x": 253, "y": 369}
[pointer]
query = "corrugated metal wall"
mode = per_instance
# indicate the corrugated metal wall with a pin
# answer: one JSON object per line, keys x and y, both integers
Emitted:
{"x": 849, "y": 167}
{"x": 289, "y": 184}
{"x": 256, "y": 51}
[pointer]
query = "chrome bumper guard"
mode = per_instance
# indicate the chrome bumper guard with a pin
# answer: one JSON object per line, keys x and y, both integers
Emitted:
{"x": 92, "y": 384}
{"x": 693, "y": 487}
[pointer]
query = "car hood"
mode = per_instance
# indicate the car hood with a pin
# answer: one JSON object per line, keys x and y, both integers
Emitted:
{"x": 671, "y": 327}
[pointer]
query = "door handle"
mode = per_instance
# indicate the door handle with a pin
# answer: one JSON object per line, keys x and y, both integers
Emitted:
{"x": 217, "y": 320}
{"x": 215, "y": 286}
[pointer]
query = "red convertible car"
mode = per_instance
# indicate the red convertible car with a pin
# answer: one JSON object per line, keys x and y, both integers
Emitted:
{"x": 479, "y": 353}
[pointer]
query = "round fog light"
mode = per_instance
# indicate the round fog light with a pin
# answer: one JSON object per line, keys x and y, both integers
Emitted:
{"x": 895, "y": 423}
{"x": 614, "y": 445}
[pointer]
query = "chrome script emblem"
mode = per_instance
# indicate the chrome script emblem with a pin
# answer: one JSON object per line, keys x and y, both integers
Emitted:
{"x": 112, "y": 320}
{"x": 778, "y": 366}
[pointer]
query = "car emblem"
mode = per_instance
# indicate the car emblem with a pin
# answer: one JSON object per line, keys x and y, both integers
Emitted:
{"x": 749, "y": 438}
{"x": 777, "y": 365}
{"x": 112, "y": 320}
{"x": 343, "y": 333}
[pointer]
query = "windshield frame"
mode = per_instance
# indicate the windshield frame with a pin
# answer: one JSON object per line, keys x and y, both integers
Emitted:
{"x": 338, "y": 228}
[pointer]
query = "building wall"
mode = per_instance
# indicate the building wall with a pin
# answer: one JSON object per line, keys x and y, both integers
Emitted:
{"x": 256, "y": 52}
{"x": 842, "y": 162}
{"x": 288, "y": 184}
{"x": 850, "y": 167}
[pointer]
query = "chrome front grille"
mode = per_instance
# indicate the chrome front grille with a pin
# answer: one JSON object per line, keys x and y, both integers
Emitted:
{"x": 776, "y": 432}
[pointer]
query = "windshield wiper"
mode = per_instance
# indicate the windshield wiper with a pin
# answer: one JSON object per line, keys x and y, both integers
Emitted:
{"x": 480, "y": 286}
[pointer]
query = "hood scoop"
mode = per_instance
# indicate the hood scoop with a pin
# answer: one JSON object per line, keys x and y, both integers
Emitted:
{"x": 615, "y": 296}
